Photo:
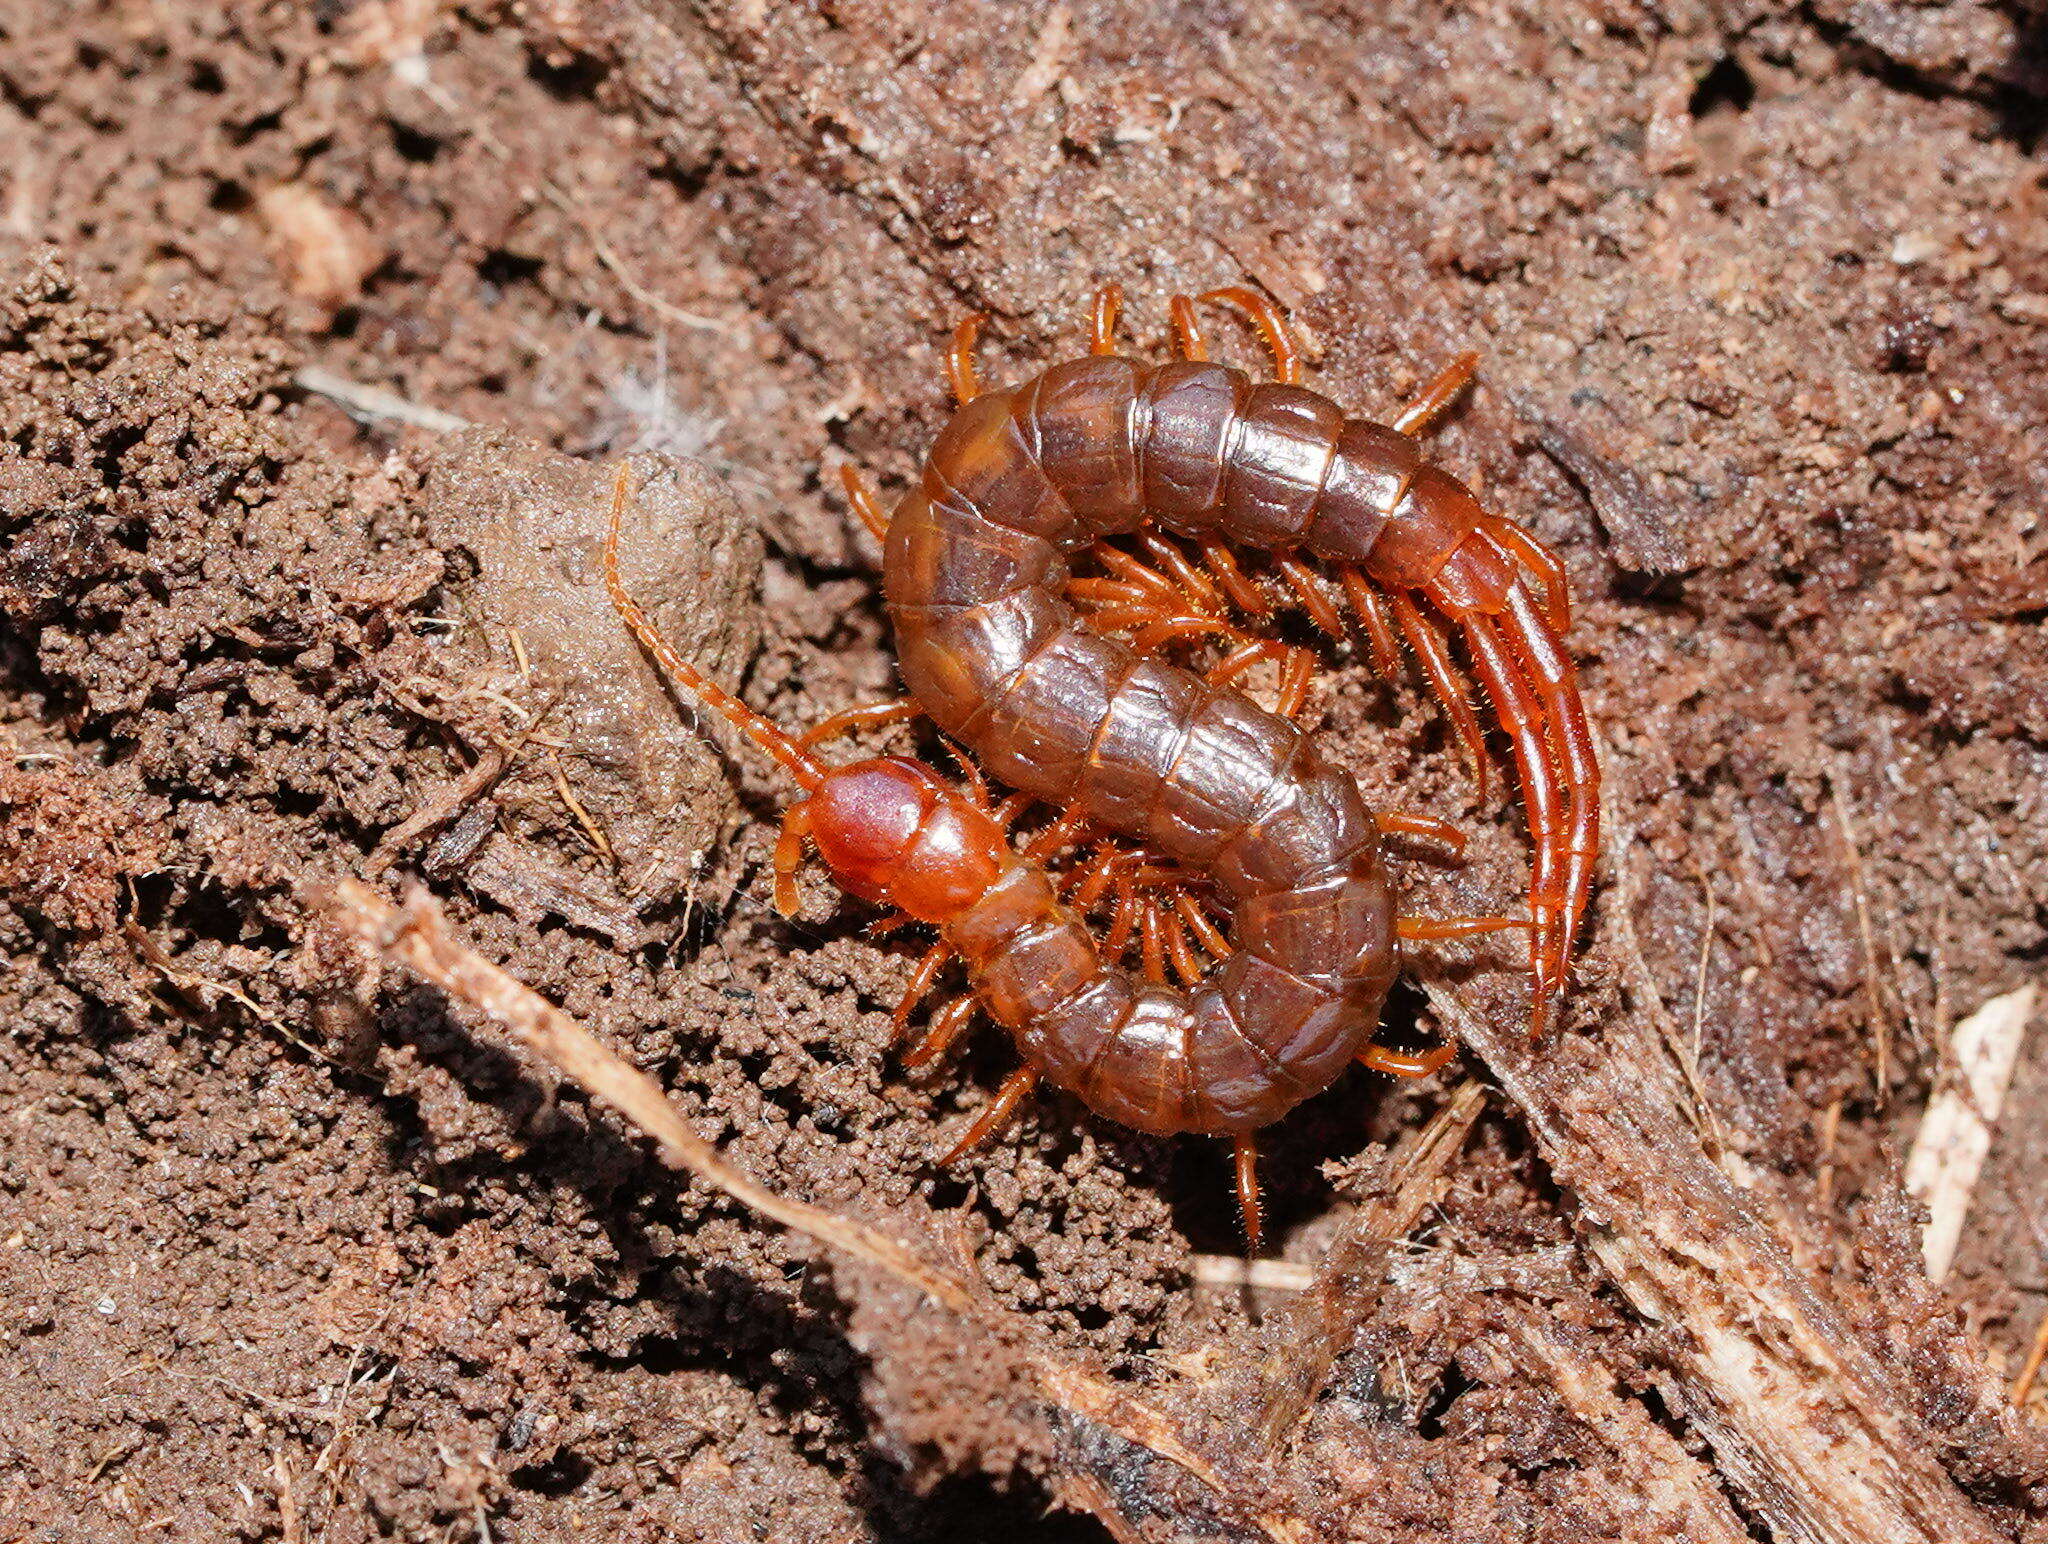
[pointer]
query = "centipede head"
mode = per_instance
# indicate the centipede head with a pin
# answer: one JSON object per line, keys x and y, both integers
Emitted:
{"x": 892, "y": 831}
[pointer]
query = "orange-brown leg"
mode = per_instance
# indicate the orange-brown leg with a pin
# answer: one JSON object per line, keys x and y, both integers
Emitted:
{"x": 1271, "y": 324}
{"x": 1407, "y": 1064}
{"x": 1400, "y": 823}
{"x": 897, "y": 710}
{"x": 1372, "y": 616}
{"x": 1423, "y": 929}
{"x": 1109, "y": 305}
{"x": 1222, "y": 565}
{"x": 1128, "y": 568}
{"x": 1057, "y": 837}
{"x": 1122, "y": 920}
{"x": 1151, "y": 941}
{"x": 889, "y": 922}
{"x": 864, "y": 502}
{"x": 1546, "y": 565}
{"x": 1000, "y": 1109}
{"x": 1443, "y": 681}
{"x": 921, "y": 980}
{"x": 1521, "y": 715}
{"x": 947, "y": 1025}
{"x": 977, "y": 785}
{"x": 1204, "y": 928}
{"x": 1556, "y": 688}
{"x": 1178, "y": 948}
{"x": 1297, "y": 670}
{"x": 1421, "y": 414}
{"x": 789, "y": 855}
{"x": 1153, "y": 635}
{"x": 1187, "y": 333}
{"x": 960, "y": 376}
{"x": 1246, "y": 1155}
{"x": 1093, "y": 878}
{"x": 1302, "y": 580}
{"x": 1169, "y": 559}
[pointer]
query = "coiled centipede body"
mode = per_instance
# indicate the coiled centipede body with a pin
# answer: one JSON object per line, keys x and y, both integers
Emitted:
{"x": 976, "y": 570}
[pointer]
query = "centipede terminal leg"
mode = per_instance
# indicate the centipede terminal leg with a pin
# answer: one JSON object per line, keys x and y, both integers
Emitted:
{"x": 1546, "y": 565}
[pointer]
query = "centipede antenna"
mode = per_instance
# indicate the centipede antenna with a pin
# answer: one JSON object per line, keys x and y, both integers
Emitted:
{"x": 794, "y": 759}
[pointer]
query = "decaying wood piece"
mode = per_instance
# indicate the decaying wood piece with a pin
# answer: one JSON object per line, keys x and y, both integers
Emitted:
{"x": 1311, "y": 1333}
{"x": 1955, "y": 1134}
{"x": 416, "y": 937}
{"x": 1803, "y": 1419}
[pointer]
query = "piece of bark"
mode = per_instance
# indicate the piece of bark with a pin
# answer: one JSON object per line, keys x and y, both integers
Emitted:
{"x": 1803, "y": 1419}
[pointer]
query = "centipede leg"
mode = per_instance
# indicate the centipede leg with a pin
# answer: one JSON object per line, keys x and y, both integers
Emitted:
{"x": 1271, "y": 324}
{"x": 1167, "y": 557}
{"x": 1372, "y": 616}
{"x": 960, "y": 376}
{"x": 1245, "y": 1153}
{"x": 1424, "y": 929}
{"x": 1109, "y": 305}
{"x": 1545, "y": 564}
{"x": 897, "y": 710}
{"x": 1187, "y": 332}
{"x": 1521, "y": 715}
{"x": 1302, "y": 580}
{"x": 1407, "y": 1064}
{"x": 977, "y": 785}
{"x": 1221, "y": 563}
{"x": 997, "y": 1114}
{"x": 1152, "y": 941}
{"x": 1556, "y": 690}
{"x": 1057, "y": 837}
{"x": 865, "y": 503}
{"x": 1443, "y": 681}
{"x": 947, "y": 1025}
{"x": 1297, "y": 669}
{"x": 1400, "y": 823}
{"x": 789, "y": 855}
{"x": 1421, "y": 415}
{"x": 1179, "y": 949}
{"x": 921, "y": 980}
{"x": 1204, "y": 929}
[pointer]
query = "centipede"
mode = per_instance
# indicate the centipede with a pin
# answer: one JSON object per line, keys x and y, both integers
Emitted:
{"x": 1090, "y": 716}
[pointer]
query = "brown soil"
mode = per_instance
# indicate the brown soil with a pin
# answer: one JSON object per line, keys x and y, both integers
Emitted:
{"x": 1763, "y": 303}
